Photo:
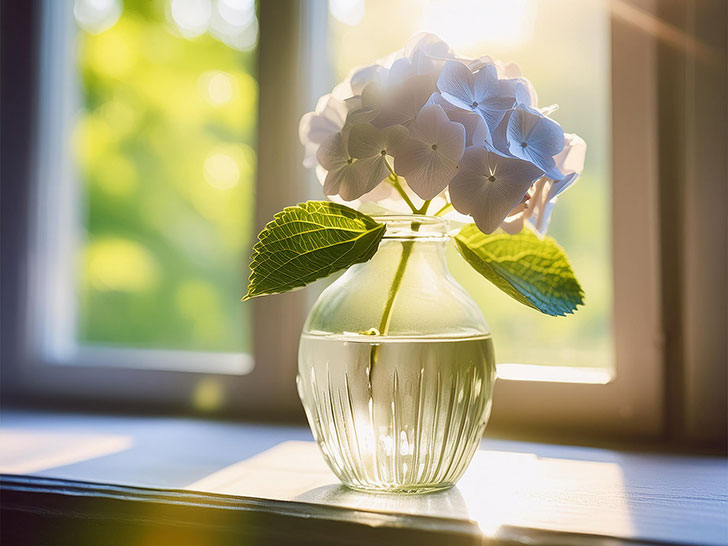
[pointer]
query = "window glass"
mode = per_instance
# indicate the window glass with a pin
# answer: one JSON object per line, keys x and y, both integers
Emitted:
{"x": 164, "y": 147}
{"x": 563, "y": 47}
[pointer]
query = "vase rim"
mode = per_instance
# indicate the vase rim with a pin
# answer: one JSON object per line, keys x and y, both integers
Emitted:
{"x": 414, "y": 226}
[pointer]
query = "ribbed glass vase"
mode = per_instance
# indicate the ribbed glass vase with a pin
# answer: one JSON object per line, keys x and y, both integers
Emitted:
{"x": 396, "y": 366}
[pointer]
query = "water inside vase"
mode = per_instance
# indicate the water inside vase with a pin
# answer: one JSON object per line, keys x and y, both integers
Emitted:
{"x": 394, "y": 413}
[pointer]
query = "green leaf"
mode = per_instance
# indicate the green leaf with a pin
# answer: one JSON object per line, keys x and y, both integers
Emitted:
{"x": 307, "y": 242}
{"x": 530, "y": 269}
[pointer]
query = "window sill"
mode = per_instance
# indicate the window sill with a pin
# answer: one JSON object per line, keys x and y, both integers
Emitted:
{"x": 177, "y": 480}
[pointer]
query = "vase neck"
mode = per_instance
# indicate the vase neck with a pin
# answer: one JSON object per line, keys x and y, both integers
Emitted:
{"x": 414, "y": 227}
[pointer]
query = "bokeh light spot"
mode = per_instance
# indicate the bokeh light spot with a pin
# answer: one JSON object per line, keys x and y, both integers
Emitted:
{"x": 96, "y": 15}
{"x": 192, "y": 17}
{"x": 208, "y": 395}
{"x": 349, "y": 12}
{"x": 114, "y": 263}
{"x": 217, "y": 87}
{"x": 221, "y": 171}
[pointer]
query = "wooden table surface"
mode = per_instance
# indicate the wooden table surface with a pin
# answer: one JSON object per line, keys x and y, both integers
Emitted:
{"x": 512, "y": 492}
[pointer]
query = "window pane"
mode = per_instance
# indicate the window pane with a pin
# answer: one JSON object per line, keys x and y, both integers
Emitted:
{"x": 563, "y": 47}
{"x": 165, "y": 151}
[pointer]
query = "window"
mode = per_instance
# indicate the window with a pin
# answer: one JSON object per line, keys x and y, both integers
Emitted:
{"x": 172, "y": 185}
{"x": 158, "y": 182}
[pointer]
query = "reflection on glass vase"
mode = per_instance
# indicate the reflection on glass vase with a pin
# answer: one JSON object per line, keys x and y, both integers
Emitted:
{"x": 396, "y": 366}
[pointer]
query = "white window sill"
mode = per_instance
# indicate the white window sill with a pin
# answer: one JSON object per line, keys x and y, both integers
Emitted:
{"x": 513, "y": 491}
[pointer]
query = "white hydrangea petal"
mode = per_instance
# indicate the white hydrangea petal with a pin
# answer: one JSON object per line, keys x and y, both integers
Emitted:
{"x": 456, "y": 82}
{"x": 321, "y": 174}
{"x": 413, "y": 153}
{"x": 495, "y": 100}
{"x": 371, "y": 95}
{"x": 510, "y": 70}
{"x": 400, "y": 71}
{"x": 429, "y": 44}
{"x": 405, "y": 68}
{"x": 309, "y": 154}
{"x": 488, "y": 186}
{"x": 480, "y": 62}
{"x": 429, "y": 121}
{"x": 401, "y": 105}
{"x": 427, "y": 172}
{"x": 373, "y": 170}
{"x": 363, "y": 76}
{"x": 547, "y": 136}
{"x": 344, "y": 181}
{"x": 479, "y": 134}
{"x": 366, "y": 140}
{"x": 314, "y": 128}
{"x": 500, "y": 136}
{"x": 476, "y": 131}
{"x": 482, "y": 80}
{"x": 559, "y": 186}
{"x": 351, "y": 180}
{"x": 332, "y": 154}
{"x": 539, "y": 212}
{"x": 534, "y": 137}
{"x": 513, "y": 225}
{"x": 571, "y": 158}
{"x": 526, "y": 93}
{"x": 451, "y": 139}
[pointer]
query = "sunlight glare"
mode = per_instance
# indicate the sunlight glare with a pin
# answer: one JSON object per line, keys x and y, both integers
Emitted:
{"x": 349, "y": 12}
{"x": 467, "y": 23}
{"x": 26, "y": 451}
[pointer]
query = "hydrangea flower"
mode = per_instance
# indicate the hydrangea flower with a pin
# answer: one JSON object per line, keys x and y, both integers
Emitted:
{"x": 489, "y": 185}
{"x": 429, "y": 159}
{"x": 481, "y": 92}
{"x": 527, "y": 134}
{"x": 542, "y": 196}
{"x": 462, "y": 132}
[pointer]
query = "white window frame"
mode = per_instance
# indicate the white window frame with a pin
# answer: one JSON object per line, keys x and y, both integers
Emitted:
{"x": 631, "y": 402}
{"x": 576, "y": 399}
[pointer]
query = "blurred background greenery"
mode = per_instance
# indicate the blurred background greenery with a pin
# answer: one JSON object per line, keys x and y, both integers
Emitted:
{"x": 165, "y": 148}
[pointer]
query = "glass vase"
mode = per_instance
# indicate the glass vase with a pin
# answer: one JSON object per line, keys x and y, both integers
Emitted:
{"x": 396, "y": 366}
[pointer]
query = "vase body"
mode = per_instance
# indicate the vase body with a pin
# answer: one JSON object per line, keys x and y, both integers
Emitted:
{"x": 396, "y": 366}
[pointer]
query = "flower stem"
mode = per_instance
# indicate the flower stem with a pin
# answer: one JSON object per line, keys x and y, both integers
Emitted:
{"x": 391, "y": 297}
{"x": 423, "y": 208}
{"x": 445, "y": 208}
{"x": 399, "y": 274}
{"x": 394, "y": 180}
{"x": 387, "y": 314}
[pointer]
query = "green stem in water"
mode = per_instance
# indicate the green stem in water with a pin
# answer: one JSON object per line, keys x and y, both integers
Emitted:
{"x": 387, "y": 315}
{"x": 391, "y": 297}
{"x": 399, "y": 274}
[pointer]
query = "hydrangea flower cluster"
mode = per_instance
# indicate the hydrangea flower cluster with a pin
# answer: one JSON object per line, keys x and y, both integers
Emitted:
{"x": 425, "y": 127}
